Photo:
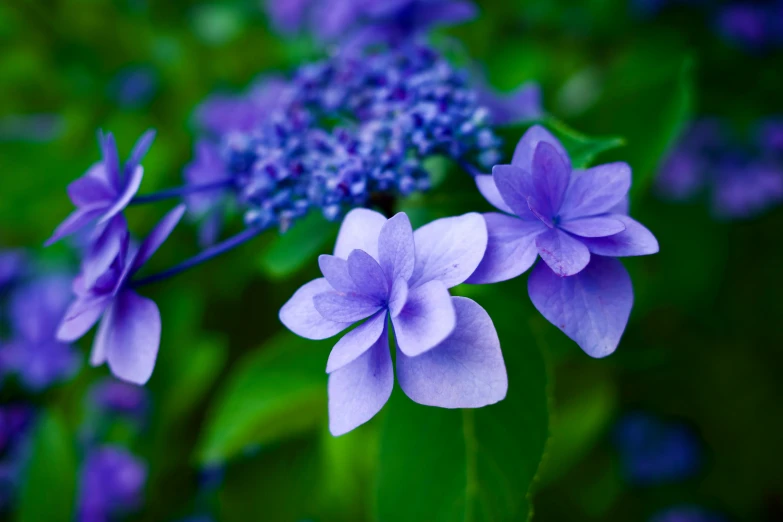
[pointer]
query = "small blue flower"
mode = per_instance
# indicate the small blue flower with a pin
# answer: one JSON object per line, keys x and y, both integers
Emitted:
{"x": 112, "y": 483}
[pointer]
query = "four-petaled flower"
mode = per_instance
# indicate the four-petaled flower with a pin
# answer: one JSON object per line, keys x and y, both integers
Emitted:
{"x": 129, "y": 334}
{"x": 448, "y": 353}
{"x": 576, "y": 221}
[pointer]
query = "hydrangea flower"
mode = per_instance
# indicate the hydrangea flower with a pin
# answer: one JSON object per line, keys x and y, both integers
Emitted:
{"x": 223, "y": 113}
{"x": 687, "y": 513}
{"x": 105, "y": 190}
{"x": 448, "y": 353}
{"x": 33, "y": 353}
{"x": 576, "y": 221}
{"x": 129, "y": 334}
{"x": 112, "y": 483}
{"x": 653, "y": 451}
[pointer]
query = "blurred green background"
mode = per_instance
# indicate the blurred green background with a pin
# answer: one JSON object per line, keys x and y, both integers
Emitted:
{"x": 232, "y": 390}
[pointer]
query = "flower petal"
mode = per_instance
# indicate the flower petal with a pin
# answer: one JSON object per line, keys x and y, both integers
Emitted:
{"x": 395, "y": 248}
{"x": 356, "y": 342}
{"x": 130, "y": 189}
{"x": 300, "y": 316}
{"x": 398, "y": 296}
{"x": 426, "y": 319}
{"x": 359, "y": 231}
{"x": 635, "y": 240}
{"x": 78, "y": 219}
{"x": 80, "y": 316}
{"x": 565, "y": 254}
{"x": 345, "y": 307}
{"x": 592, "y": 307}
{"x": 595, "y": 226}
{"x": 596, "y": 190}
{"x": 449, "y": 249}
{"x": 98, "y": 353}
{"x": 359, "y": 390}
{"x": 133, "y": 337}
{"x": 550, "y": 175}
{"x": 140, "y": 149}
{"x": 104, "y": 250}
{"x": 523, "y": 154}
{"x": 488, "y": 188}
{"x": 511, "y": 248}
{"x": 466, "y": 370}
{"x": 335, "y": 270}
{"x": 111, "y": 161}
{"x": 368, "y": 275}
{"x": 515, "y": 186}
{"x": 90, "y": 189}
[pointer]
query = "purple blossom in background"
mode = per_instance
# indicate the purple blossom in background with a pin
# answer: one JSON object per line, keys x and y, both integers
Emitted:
{"x": 688, "y": 513}
{"x": 129, "y": 334}
{"x": 769, "y": 135}
{"x": 653, "y": 451}
{"x": 12, "y": 266}
{"x": 343, "y": 131}
{"x": 134, "y": 87}
{"x": 576, "y": 221}
{"x": 224, "y": 113}
{"x": 113, "y": 397}
{"x": 522, "y": 104}
{"x": 448, "y": 353}
{"x": 112, "y": 483}
{"x": 33, "y": 353}
{"x": 207, "y": 207}
{"x": 16, "y": 421}
{"x": 289, "y": 16}
{"x": 104, "y": 192}
{"x": 751, "y": 26}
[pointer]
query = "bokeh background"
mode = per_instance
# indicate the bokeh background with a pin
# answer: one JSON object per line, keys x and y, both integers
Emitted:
{"x": 687, "y": 412}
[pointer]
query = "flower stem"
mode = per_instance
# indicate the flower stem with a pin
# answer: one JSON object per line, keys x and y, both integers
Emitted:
{"x": 181, "y": 191}
{"x": 196, "y": 260}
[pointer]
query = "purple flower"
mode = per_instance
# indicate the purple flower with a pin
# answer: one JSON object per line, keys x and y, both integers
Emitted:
{"x": 687, "y": 513}
{"x": 111, "y": 396}
{"x": 289, "y": 16}
{"x": 134, "y": 87}
{"x": 448, "y": 353}
{"x": 576, "y": 221}
{"x": 105, "y": 190}
{"x": 129, "y": 334}
{"x": 112, "y": 483}
{"x": 223, "y": 113}
{"x": 770, "y": 136}
{"x": 207, "y": 206}
{"x": 522, "y": 104}
{"x": 653, "y": 451}
{"x": 12, "y": 266}
{"x": 746, "y": 24}
{"x": 33, "y": 352}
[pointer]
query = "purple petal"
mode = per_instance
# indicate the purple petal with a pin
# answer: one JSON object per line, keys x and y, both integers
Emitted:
{"x": 522, "y": 104}
{"x": 133, "y": 337}
{"x": 523, "y": 154}
{"x": 300, "y": 316}
{"x": 398, "y": 296}
{"x": 140, "y": 149}
{"x": 449, "y": 249}
{"x": 511, "y": 248}
{"x": 111, "y": 161}
{"x": 157, "y": 237}
{"x": 426, "y": 319}
{"x": 592, "y": 307}
{"x": 359, "y": 231}
{"x": 78, "y": 219}
{"x": 347, "y": 307}
{"x": 90, "y": 189}
{"x": 596, "y": 190}
{"x": 368, "y": 275}
{"x": 515, "y": 186}
{"x": 635, "y": 240}
{"x": 335, "y": 270}
{"x": 356, "y": 342}
{"x": 596, "y": 226}
{"x": 131, "y": 187}
{"x": 565, "y": 254}
{"x": 464, "y": 371}
{"x": 488, "y": 189}
{"x": 551, "y": 175}
{"x": 98, "y": 353}
{"x": 104, "y": 251}
{"x": 359, "y": 390}
{"x": 395, "y": 247}
{"x": 80, "y": 316}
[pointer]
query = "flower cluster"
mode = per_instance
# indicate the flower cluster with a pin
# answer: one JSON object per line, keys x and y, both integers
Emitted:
{"x": 741, "y": 182}
{"x": 448, "y": 353}
{"x": 343, "y": 130}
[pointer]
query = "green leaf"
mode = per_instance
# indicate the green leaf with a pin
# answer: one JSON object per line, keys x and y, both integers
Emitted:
{"x": 471, "y": 464}
{"x": 291, "y": 251}
{"x": 272, "y": 393}
{"x": 49, "y": 487}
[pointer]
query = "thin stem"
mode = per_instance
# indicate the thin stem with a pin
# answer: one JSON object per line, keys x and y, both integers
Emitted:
{"x": 206, "y": 255}
{"x": 181, "y": 191}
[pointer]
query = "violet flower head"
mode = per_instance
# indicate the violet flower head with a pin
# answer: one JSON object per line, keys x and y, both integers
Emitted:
{"x": 105, "y": 190}
{"x": 448, "y": 353}
{"x": 688, "y": 513}
{"x": 576, "y": 221}
{"x": 653, "y": 451}
{"x": 112, "y": 483}
{"x": 129, "y": 333}
{"x": 33, "y": 352}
